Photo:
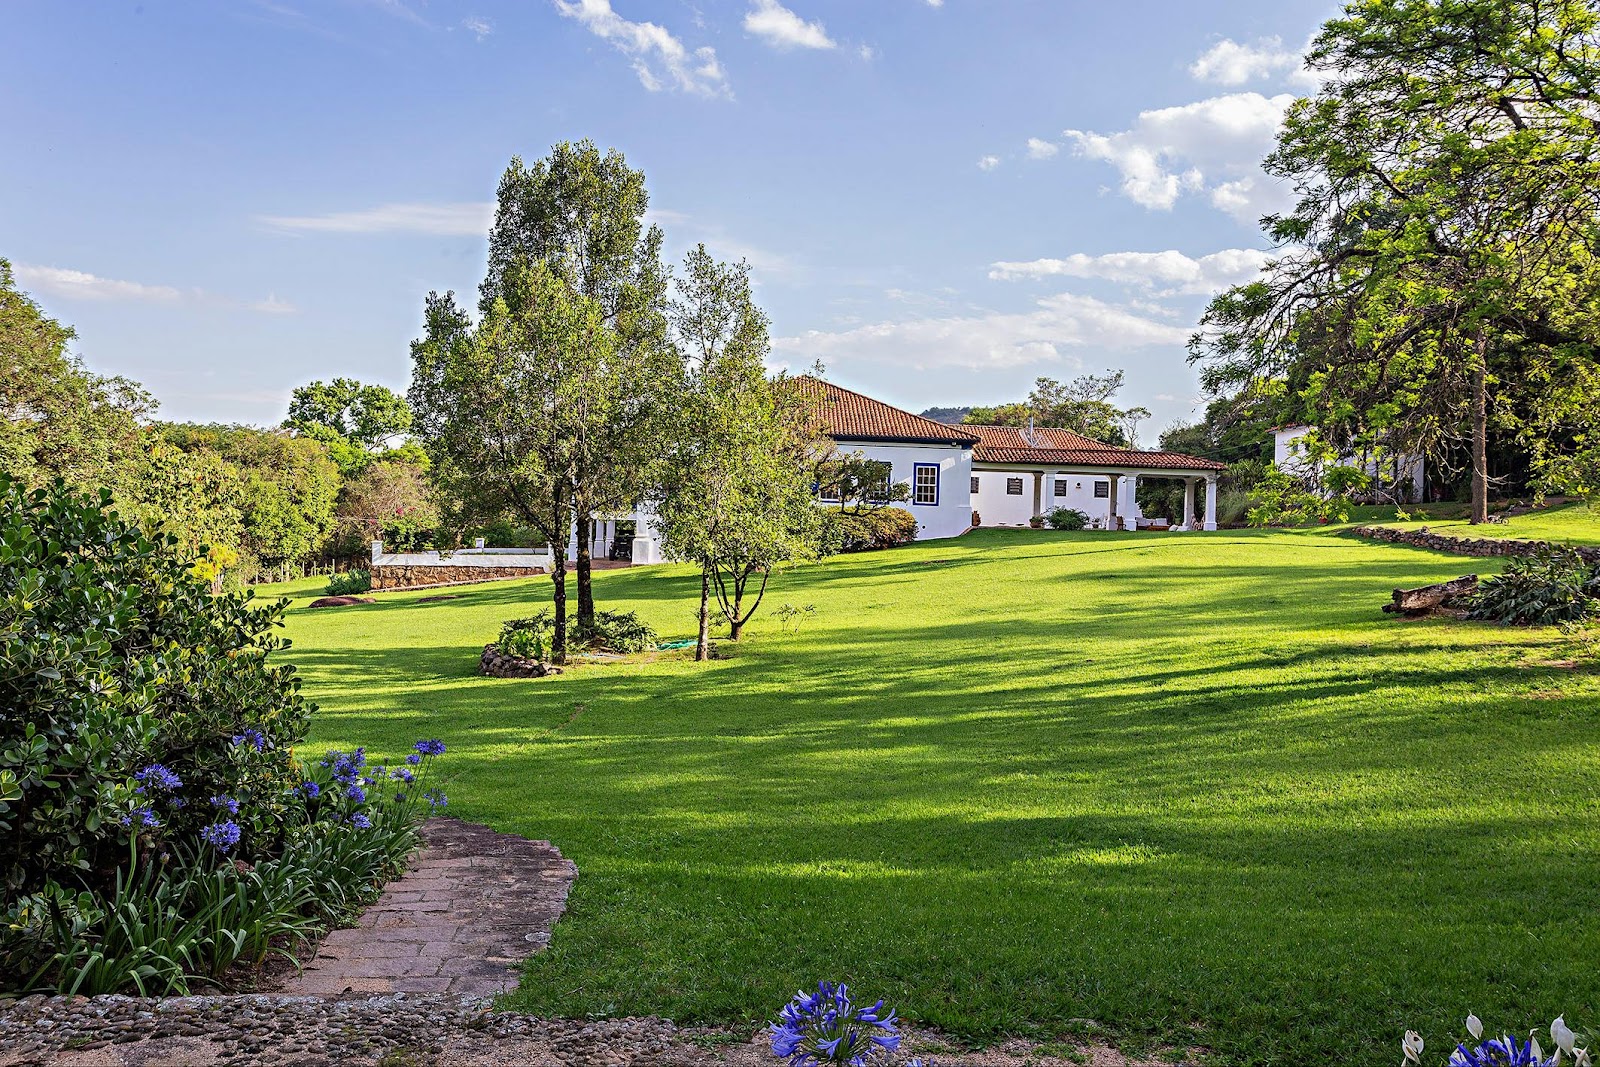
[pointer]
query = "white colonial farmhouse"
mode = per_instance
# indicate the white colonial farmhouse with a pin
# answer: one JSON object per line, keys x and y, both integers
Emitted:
{"x": 1006, "y": 474}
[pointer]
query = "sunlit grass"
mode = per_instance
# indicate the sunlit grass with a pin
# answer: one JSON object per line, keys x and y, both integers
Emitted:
{"x": 1575, "y": 523}
{"x": 1194, "y": 787}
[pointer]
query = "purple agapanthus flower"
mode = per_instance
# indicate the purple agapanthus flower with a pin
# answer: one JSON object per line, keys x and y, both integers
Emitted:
{"x": 228, "y": 804}
{"x": 403, "y": 774}
{"x": 254, "y": 738}
{"x": 311, "y": 789}
{"x": 436, "y": 799}
{"x": 360, "y": 821}
{"x": 145, "y": 817}
{"x": 827, "y": 1027}
{"x": 356, "y": 793}
{"x": 414, "y": 759}
{"x": 156, "y": 776}
{"x": 434, "y": 747}
{"x": 222, "y": 836}
{"x": 1505, "y": 1051}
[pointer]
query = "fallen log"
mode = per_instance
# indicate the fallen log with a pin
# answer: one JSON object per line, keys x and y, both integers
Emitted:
{"x": 1426, "y": 598}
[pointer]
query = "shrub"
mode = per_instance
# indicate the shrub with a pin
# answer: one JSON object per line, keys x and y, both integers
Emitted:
{"x": 121, "y": 660}
{"x": 1067, "y": 519}
{"x": 613, "y": 631}
{"x": 349, "y": 583}
{"x": 145, "y": 748}
{"x": 1553, "y": 586}
{"x": 882, "y": 528}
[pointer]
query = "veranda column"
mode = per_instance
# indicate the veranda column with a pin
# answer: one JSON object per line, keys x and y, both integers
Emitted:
{"x": 1111, "y": 503}
{"x": 1188, "y": 503}
{"x": 1128, "y": 508}
{"x": 1211, "y": 503}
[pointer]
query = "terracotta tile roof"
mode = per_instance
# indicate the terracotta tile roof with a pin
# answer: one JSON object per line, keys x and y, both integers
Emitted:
{"x": 849, "y": 416}
{"x": 1009, "y": 444}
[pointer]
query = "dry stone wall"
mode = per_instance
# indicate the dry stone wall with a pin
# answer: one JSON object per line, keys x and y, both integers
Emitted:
{"x": 1465, "y": 546}
{"x": 421, "y": 576}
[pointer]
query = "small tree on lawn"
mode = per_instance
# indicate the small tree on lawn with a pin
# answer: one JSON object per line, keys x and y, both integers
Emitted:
{"x": 495, "y": 406}
{"x": 856, "y": 484}
{"x": 582, "y": 214}
{"x": 736, "y": 493}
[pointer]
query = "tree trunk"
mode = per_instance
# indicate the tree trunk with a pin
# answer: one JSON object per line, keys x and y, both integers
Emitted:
{"x": 736, "y": 620}
{"x": 1425, "y": 598}
{"x": 702, "y": 648}
{"x": 558, "y": 575}
{"x": 1480, "y": 432}
{"x": 585, "y": 527}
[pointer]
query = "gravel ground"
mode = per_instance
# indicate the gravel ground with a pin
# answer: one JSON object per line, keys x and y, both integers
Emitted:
{"x": 405, "y": 1030}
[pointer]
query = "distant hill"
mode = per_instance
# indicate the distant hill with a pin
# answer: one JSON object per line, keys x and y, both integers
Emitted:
{"x": 952, "y": 416}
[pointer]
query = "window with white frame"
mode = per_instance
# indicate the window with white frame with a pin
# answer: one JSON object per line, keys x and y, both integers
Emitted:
{"x": 925, "y": 484}
{"x": 1013, "y": 487}
{"x": 1061, "y": 487}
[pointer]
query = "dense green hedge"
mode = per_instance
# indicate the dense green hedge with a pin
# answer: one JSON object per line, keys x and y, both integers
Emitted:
{"x": 882, "y": 528}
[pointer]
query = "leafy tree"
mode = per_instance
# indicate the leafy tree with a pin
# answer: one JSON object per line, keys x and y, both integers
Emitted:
{"x": 1082, "y": 405}
{"x": 497, "y": 406}
{"x": 57, "y": 420}
{"x": 367, "y": 416}
{"x": 1437, "y": 278}
{"x": 581, "y": 214}
{"x": 736, "y": 496}
{"x": 856, "y": 484}
{"x": 389, "y": 500}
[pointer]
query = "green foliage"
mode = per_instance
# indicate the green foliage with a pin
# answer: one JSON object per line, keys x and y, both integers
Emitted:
{"x": 1081, "y": 405}
{"x": 1281, "y": 499}
{"x": 116, "y": 657}
{"x": 856, "y": 483}
{"x": 346, "y": 410}
{"x": 622, "y": 632}
{"x": 1550, "y": 587}
{"x": 350, "y": 582}
{"x": 1067, "y": 519}
{"x": 884, "y": 528}
{"x": 57, "y": 420}
{"x": 387, "y": 501}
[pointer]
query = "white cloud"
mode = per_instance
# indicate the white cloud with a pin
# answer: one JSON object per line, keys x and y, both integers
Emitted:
{"x": 659, "y": 58}
{"x": 935, "y": 3}
{"x": 480, "y": 27}
{"x": 81, "y": 285}
{"x": 867, "y": 52}
{"x": 1041, "y": 149}
{"x": 783, "y": 29}
{"x": 273, "y": 306}
{"x": 59, "y": 281}
{"x": 466, "y": 219}
{"x": 1230, "y": 63}
{"x": 1212, "y": 146}
{"x": 1169, "y": 273}
{"x": 1046, "y": 334}
{"x": 988, "y": 162}
{"x": 682, "y": 230}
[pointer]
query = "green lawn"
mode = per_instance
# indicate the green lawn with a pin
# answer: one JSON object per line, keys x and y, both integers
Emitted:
{"x": 1576, "y": 524}
{"x": 1194, "y": 787}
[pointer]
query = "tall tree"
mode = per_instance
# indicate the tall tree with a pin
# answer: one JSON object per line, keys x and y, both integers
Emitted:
{"x": 365, "y": 415}
{"x": 496, "y": 405}
{"x": 582, "y": 214}
{"x": 1440, "y": 257}
{"x": 1082, "y": 405}
{"x": 735, "y": 496}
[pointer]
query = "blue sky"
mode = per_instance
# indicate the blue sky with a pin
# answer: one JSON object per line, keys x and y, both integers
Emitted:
{"x": 941, "y": 201}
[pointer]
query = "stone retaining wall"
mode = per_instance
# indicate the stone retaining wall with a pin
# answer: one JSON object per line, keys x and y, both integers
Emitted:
{"x": 426, "y": 577}
{"x": 1465, "y": 546}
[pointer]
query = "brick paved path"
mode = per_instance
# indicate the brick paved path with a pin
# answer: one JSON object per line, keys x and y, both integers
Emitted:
{"x": 474, "y": 904}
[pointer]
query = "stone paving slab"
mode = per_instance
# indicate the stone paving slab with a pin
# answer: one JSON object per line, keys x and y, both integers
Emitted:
{"x": 473, "y": 905}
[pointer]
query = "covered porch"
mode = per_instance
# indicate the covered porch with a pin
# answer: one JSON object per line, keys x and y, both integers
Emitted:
{"x": 1012, "y": 494}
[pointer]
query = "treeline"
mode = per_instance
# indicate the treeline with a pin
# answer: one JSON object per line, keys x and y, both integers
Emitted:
{"x": 249, "y": 503}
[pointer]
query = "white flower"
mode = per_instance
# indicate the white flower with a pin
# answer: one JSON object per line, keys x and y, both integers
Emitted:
{"x": 1580, "y": 1058}
{"x": 1411, "y": 1045}
{"x": 1474, "y": 1026}
{"x": 1538, "y": 1053}
{"x": 1562, "y": 1035}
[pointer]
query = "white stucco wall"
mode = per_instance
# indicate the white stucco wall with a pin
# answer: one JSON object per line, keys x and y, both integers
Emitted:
{"x": 952, "y": 515}
{"x": 1287, "y": 455}
{"x": 998, "y": 508}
